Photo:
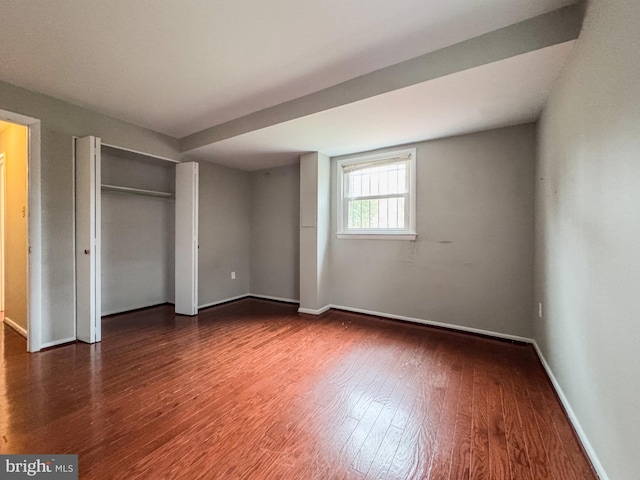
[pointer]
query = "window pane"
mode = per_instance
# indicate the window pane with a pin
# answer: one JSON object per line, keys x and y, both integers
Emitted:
{"x": 374, "y": 214}
{"x": 380, "y": 180}
{"x": 393, "y": 212}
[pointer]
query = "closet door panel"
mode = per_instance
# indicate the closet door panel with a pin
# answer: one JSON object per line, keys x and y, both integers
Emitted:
{"x": 88, "y": 303}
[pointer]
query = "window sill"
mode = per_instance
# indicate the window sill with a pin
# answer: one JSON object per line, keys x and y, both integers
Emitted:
{"x": 377, "y": 236}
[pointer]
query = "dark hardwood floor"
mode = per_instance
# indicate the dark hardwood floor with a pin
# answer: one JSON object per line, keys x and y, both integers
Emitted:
{"x": 252, "y": 390}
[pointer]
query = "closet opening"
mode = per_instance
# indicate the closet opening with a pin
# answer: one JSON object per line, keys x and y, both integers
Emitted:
{"x": 137, "y": 230}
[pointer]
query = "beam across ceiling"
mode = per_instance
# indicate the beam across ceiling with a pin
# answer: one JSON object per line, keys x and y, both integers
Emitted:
{"x": 552, "y": 28}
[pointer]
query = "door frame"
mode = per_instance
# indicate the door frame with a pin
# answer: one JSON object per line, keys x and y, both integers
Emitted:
{"x": 34, "y": 254}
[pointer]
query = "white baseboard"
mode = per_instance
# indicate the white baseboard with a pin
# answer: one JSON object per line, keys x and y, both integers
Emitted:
{"x": 130, "y": 309}
{"x": 277, "y": 299}
{"x": 450, "y": 326}
{"x": 572, "y": 416}
{"x": 218, "y": 302}
{"x": 246, "y": 295}
{"x": 15, "y": 327}
{"x": 58, "y": 342}
{"x": 311, "y": 311}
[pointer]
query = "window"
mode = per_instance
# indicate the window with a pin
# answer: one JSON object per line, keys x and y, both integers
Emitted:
{"x": 376, "y": 196}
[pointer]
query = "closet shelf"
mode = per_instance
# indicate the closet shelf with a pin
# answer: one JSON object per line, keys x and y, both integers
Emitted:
{"x": 137, "y": 191}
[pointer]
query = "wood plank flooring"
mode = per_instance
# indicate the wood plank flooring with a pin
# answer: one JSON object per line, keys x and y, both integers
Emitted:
{"x": 253, "y": 390}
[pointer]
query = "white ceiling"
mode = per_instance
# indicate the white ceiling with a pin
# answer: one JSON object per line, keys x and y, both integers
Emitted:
{"x": 499, "y": 94}
{"x": 178, "y": 67}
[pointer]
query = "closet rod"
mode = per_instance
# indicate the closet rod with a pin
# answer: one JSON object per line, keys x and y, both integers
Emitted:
{"x": 137, "y": 191}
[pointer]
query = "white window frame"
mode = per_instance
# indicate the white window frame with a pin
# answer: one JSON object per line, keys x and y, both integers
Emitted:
{"x": 408, "y": 233}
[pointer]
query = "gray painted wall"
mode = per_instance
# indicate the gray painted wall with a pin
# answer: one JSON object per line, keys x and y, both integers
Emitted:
{"x": 224, "y": 233}
{"x": 60, "y": 122}
{"x": 588, "y": 232}
{"x": 275, "y": 233}
{"x": 137, "y": 235}
{"x": 119, "y": 168}
{"x": 472, "y": 263}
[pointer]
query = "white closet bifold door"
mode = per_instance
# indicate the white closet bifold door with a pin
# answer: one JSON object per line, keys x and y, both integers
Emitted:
{"x": 88, "y": 287}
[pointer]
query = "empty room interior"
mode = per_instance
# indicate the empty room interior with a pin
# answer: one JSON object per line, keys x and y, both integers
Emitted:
{"x": 347, "y": 239}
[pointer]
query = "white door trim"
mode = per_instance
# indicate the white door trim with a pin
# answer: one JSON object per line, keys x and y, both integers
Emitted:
{"x": 34, "y": 257}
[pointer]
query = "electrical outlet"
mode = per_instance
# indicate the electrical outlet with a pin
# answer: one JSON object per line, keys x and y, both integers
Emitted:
{"x": 233, "y": 275}
{"x": 539, "y": 309}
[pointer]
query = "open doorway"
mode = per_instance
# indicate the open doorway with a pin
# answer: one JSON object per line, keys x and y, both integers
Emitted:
{"x": 20, "y": 234}
{"x": 2, "y": 202}
{"x": 14, "y": 226}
